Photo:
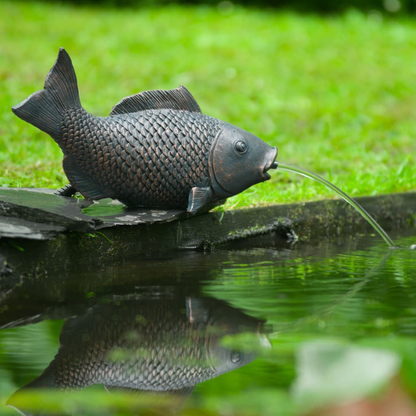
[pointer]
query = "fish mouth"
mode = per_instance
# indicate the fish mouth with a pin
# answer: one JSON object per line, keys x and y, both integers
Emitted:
{"x": 272, "y": 164}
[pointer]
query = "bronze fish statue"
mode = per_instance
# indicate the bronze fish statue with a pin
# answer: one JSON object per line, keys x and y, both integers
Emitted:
{"x": 161, "y": 347}
{"x": 156, "y": 149}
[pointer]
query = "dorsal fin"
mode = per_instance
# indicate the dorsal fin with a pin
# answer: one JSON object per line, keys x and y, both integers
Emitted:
{"x": 177, "y": 99}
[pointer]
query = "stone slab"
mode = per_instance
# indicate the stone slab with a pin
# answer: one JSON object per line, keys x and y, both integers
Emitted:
{"x": 18, "y": 228}
{"x": 111, "y": 213}
{"x": 44, "y": 208}
{"x": 48, "y": 214}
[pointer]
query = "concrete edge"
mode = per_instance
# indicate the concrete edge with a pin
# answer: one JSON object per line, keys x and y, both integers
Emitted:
{"x": 310, "y": 221}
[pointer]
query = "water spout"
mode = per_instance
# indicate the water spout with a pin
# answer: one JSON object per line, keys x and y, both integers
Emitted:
{"x": 342, "y": 194}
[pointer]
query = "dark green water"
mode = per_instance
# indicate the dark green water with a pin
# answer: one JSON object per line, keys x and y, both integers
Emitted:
{"x": 259, "y": 328}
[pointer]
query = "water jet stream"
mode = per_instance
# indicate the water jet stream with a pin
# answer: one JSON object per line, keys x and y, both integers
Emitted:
{"x": 343, "y": 195}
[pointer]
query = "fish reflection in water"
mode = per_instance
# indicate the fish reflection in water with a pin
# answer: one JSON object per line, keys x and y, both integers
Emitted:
{"x": 161, "y": 346}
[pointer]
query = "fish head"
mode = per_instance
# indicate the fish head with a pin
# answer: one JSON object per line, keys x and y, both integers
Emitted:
{"x": 225, "y": 323}
{"x": 238, "y": 160}
{"x": 246, "y": 342}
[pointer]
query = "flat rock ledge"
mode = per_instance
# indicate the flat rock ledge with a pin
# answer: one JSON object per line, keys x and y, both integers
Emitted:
{"x": 38, "y": 226}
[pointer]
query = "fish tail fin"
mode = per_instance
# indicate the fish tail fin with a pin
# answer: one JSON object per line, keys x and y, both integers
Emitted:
{"x": 46, "y": 380}
{"x": 46, "y": 109}
{"x": 17, "y": 400}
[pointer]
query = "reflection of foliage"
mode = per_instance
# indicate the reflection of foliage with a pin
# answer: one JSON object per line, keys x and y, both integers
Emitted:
{"x": 356, "y": 303}
{"x": 313, "y": 294}
{"x": 389, "y": 6}
{"x": 25, "y": 352}
{"x": 92, "y": 401}
{"x": 352, "y": 296}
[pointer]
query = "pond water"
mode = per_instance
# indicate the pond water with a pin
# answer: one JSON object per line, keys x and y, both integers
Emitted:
{"x": 261, "y": 327}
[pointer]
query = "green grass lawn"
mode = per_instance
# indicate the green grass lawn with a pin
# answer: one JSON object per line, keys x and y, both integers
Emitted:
{"x": 337, "y": 95}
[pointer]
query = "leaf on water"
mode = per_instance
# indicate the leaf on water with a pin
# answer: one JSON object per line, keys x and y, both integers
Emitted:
{"x": 332, "y": 373}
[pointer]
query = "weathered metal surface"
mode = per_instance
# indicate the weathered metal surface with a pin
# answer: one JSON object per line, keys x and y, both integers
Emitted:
{"x": 155, "y": 149}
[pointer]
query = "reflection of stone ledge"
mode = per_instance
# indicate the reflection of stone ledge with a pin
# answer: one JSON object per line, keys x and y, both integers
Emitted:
{"x": 76, "y": 230}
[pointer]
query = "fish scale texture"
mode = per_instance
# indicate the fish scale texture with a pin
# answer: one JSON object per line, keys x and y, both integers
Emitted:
{"x": 149, "y": 158}
{"x": 167, "y": 352}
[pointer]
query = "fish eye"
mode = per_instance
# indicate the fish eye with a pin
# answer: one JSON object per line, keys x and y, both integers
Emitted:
{"x": 235, "y": 357}
{"x": 241, "y": 146}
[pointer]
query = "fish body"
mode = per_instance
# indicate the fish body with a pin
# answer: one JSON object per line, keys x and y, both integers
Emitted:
{"x": 159, "y": 347}
{"x": 143, "y": 158}
{"x": 155, "y": 353}
{"x": 155, "y": 149}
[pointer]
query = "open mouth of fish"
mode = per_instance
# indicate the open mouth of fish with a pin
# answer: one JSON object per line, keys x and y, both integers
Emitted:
{"x": 272, "y": 164}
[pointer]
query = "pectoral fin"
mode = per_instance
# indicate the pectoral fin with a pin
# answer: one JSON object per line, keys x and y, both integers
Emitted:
{"x": 67, "y": 190}
{"x": 196, "y": 312}
{"x": 81, "y": 181}
{"x": 198, "y": 198}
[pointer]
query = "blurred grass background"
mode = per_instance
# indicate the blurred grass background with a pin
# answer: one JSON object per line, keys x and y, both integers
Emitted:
{"x": 335, "y": 92}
